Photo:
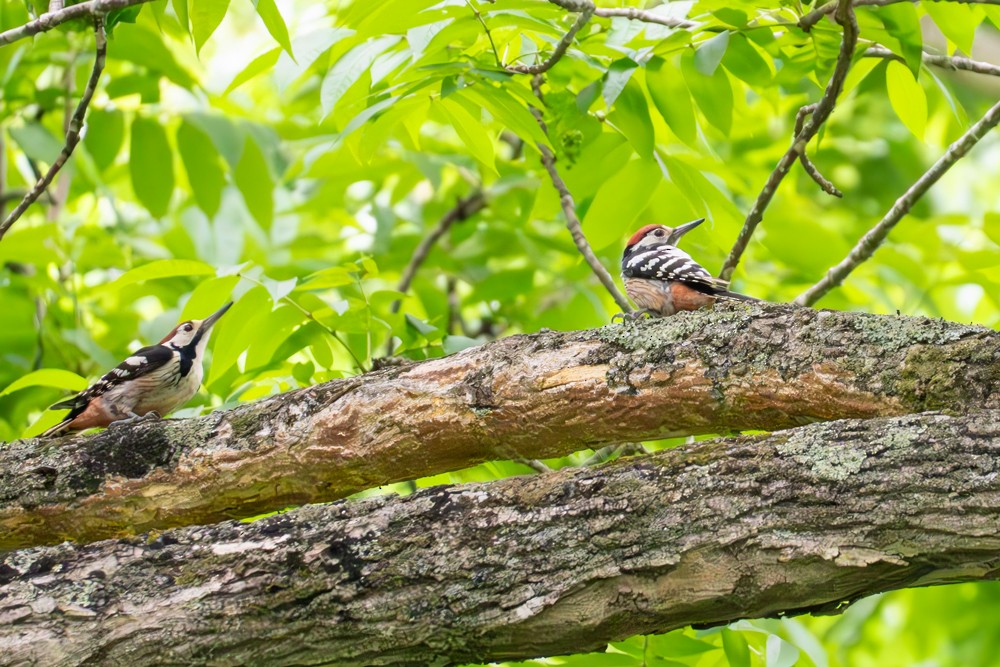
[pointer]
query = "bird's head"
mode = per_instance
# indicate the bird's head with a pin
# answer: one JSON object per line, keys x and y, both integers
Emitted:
{"x": 193, "y": 333}
{"x": 660, "y": 234}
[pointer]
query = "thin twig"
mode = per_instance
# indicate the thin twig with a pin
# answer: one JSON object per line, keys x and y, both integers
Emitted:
{"x": 295, "y": 304}
{"x": 877, "y": 234}
{"x": 49, "y": 20}
{"x": 561, "y": 47}
{"x": 61, "y": 194}
{"x": 812, "y": 18}
{"x": 534, "y": 464}
{"x": 605, "y": 453}
{"x": 37, "y": 173}
{"x": 845, "y": 15}
{"x": 645, "y": 16}
{"x": 569, "y": 207}
{"x": 486, "y": 28}
{"x": 945, "y": 62}
{"x": 55, "y": 5}
{"x": 75, "y": 127}
{"x": 807, "y": 164}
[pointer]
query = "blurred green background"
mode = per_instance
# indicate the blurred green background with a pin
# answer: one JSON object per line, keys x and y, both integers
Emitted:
{"x": 293, "y": 155}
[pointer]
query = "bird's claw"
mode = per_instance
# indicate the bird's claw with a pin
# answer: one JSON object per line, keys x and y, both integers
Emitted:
{"x": 133, "y": 418}
{"x": 631, "y": 316}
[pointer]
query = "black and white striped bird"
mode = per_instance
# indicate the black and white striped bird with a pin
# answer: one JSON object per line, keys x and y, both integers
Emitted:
{"x": 661, "y": 279}
{"x": 156, "y": 379}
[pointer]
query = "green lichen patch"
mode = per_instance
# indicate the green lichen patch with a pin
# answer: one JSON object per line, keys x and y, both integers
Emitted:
{"x": 826, "y": 458}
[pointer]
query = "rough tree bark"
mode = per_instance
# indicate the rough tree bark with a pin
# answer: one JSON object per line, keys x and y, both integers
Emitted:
{"x": 803, "y": 520}
{"x": 739, "y": 367}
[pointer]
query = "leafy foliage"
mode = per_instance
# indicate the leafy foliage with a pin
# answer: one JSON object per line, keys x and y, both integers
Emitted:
{"x": 292, "y": 156}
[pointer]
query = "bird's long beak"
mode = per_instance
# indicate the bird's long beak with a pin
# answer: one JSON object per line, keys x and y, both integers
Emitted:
{"x": 214, "y": 317}
{"x": 680, "y": 231}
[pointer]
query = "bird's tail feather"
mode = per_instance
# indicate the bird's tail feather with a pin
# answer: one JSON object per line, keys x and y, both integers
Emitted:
{"x": 59, "y": 429}
{"x": 736, "y": 296}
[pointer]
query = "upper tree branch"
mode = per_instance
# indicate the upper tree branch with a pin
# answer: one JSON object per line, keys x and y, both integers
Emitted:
{"x": 946, "y": 62}
{"x": 735, "y": 368}
{"x": 877, "y": 234}
{"x": 823, "y": 108}
{"x": 569, "y": 208}
{"x": 644, "y": 16}
{"x": 805, "y": 520}
{"x": 72, "y": 135}
{"x": 49, "y": 20}
{"x": 812, "y": 18}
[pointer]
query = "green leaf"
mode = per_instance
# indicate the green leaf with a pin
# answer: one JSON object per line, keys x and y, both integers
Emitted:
{"x": 745, "y": 62}
{"x": 47, "y": 377}
{"x": 258, "y": 65}
{"x": 349, "y": 69}
{"x": 991, "y": 225}
{"x": 105, "y": 134}
{"x": 736, "y": 647}
{"x": 678, "y": 645}
{"x": 203, "y": 166}
{"x": 183, "y": 15}
{"x": 206, "y": 15}
{"x": 238, "y": 330}
{"x": 957, "y": 22}
{"x": 903, "y": 23}
{"x": 151, "y": 165}
{"x": 37, "y": 142}
{"x": 619, "y": 202}
{"x": 253, "y": 178}
{"x": 162, "y": 268}
{"x": 709, "y": 53}
{"x": 631, "y": 116}
{"x": 619, "y": 73}
{"x": 907, "y": 98}
{"x": 672, "y": 99}
{"x": 472, "y": 133}
{"x": 208, "y": 297}
{"x": 780, "y": 653}
{"x": 714, "y": 94}
{"x": 507, "y": 110}
{"x": 275, "y": 24}
{"x": 453, "y": 344}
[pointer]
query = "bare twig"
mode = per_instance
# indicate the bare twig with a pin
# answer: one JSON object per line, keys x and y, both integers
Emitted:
{"x": 823, "y": 108}
{"x": 645, "y": 16}
{"x": 877, "y": 234}
{"x": 55, "y": 5}
{"x": 534, "y": 464}
{"x": 807, "y": 164}
{"x": 75, "y": 127}
{"x": 605, "y": 453}
{"x": 945, "y": 62}
{"x": 561, "y": 47}
{"x": 49, "y": 20}
{"x": 569, "y": 208}
{"x": 462, "y": 211}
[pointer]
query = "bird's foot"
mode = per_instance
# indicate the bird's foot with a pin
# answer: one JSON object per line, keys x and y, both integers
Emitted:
{"x": 632, "y": 316}
{"x": 134, "y": 418}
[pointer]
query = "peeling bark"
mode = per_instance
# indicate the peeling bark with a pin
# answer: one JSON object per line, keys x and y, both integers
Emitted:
{"x": 802, "y": 520}
{"x": 736, "y": 368}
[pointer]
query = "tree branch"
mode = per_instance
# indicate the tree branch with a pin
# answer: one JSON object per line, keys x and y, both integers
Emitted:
{"x": 738, "y": 367}
{"x": 49, "y": 20}
{"x": 644, "y": 16}
{"x": 870, "y": 242}
{"x": 946, "y": 62}
{"x": 807, "y": 164}
{"x": 822, "y": 111}
{"x": 812, "y": 18}
{"x": 806, "y": 520}
{"x": 561, "y": 47}
{"x": 569, "y": 207}
{"x": 72, "y": 135}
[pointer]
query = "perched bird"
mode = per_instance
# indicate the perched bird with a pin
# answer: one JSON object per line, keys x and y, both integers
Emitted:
{"x": 155, "y": 379}
{"x": 662, "y": 279}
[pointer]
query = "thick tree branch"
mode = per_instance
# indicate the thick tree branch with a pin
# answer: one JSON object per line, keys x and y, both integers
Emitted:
{"x": 739, "y": 367}
{"x": 49, "y": 20}
{"x": 805, "y": 520}
{"x": 822, "y": 111}
{"x": 73, "y": 133}
{"x": 870, "y": 242}
{"x": 945, "y": 62}
{"x": 569, "y": 208}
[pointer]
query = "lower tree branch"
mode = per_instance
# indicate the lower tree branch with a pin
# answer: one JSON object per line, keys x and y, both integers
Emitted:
{"x": 806, "y": 520}
{"x": 818, "y": 116}
{"x": 739, "y": 367}
{"x": 72, "y": 135}
{"x": 569, "y": 209}
{"x": 870, "y": 242}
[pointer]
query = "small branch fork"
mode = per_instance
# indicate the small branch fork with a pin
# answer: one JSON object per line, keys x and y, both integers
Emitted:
{"x": 817, "y": 116}
{"x": 73, "y": 133}
{"x": 877, "y": 234}
{"x": 49, "y": 20}
{"x": 581, "y": 20}
{"x": 569, "y": 207}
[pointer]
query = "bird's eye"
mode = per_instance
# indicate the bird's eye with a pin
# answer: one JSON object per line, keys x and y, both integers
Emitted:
{"x": 188, "y": 327}
{"x": 658, "y": 232}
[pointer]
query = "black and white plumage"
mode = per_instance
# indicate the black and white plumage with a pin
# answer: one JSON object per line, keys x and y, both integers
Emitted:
{"x": 662, "y": 279}
{"x": 155, "y": 379}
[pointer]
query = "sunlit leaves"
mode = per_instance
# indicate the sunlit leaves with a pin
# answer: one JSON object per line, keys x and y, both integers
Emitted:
{"x": 151, "y": 165}
{"x": 907, "y": 97}
{"x": 713, "y": 94}
{"x": 47, "y": 377}
{"x": 471, "y": 131}
{"x": 903, "y": 24}
{"x": 620, "y": 201}
{"x": 672, "y": 100}
{"x": 253, "y": 178}
{"x": 204, "y": 170}
{"x": 257, "y": 66}
{"x": 269, "y": 14}
{"x": 736, "y": 648}
{"x": 709, "y": 54}
{"x": 631, "y": 117}
{"x": 206, "y": 15}
{"x": 105, "y": 133}
{"x": 164, "y": 268}
{"x": 349, "y": 69}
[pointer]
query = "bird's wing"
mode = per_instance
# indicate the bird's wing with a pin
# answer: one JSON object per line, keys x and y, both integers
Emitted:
{"x": 141, "y": 362}
{"x": 670, "y": 263}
